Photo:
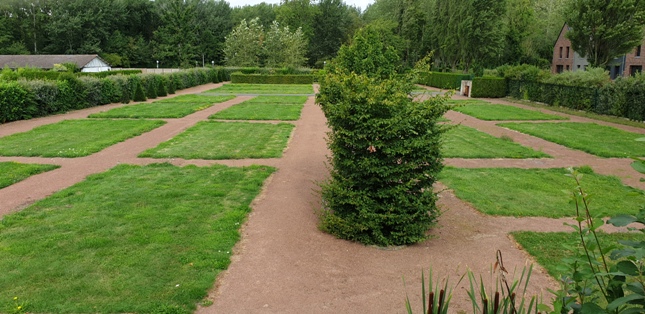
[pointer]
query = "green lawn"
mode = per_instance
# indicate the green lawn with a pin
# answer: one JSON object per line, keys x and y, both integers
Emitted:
{"x": 73, "y": 138}
{"x": 263, "y": 89}
{"x": 463, "y": 102}
{"x": 538, "y": 192}
{"x": 195, "y": 98}
{"x": 466, "y": 142}
{"x": 277, "y": 100}
{"x": 503, "y": 112}
{"x": 12, "y": 172}
{"x": 549, "y": 248}
{"x": 260, "y": 111}
{"x": 165, "y": 109}
{"x": 595, "y": 139}
{"x": 226, "y": 140}
{"x": 153, "y": 245}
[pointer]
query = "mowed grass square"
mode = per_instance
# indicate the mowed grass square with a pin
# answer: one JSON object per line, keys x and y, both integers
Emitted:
{"x": 162, "y": 109}
{"x": 549, "y": 248}
{"x": 226, "y": 140}
{"x": 286, "y": 108}
{"x": 234, "y": 88}
{"x": 73, "y": 138}
{"x": 135, "y": 239}
{"x": 12, "y": 172}
{"x": 492, "y": 112}
{"x": 539, "y": 192}
{"x": 465, "y": 142}
{"x": 600, "y": 140}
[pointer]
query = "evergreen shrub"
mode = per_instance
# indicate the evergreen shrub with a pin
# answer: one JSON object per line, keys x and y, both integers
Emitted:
{"x": 136, "y": 88}
{"x": 488, "y": 87}
{"x": 443, "y": 80}
{"x": 386, "y": 148}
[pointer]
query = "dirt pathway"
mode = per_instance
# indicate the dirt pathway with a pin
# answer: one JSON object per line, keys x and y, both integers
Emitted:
{"x": 284, "y": 264}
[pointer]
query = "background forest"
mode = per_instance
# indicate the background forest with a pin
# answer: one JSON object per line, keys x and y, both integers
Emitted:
{"x": 137, "y": 33}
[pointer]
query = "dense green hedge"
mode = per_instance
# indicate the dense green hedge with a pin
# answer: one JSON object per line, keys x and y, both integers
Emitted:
{"x": 239, "y": 77}
{"x": 488, "y": 87}
{"x": 623, "y": 98}
{"x": 25, "y": 99}
{"x": 443, "y": 80}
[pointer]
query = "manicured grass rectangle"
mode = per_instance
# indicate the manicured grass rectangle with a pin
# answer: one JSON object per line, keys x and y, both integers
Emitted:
{"x": 193, "y": 98}
{"x": 260, "y": 111}
{"x": 226, "y": 140}
{"x": 277, "y": 100}
{"x": 73, "y": 138}
{"x": 600, "y": 140}
{"x": 134, "y": 239}
{"x": 13, "y": 172}
{"x": 263, "y": 89}
{"x": 539, "y": 192}
{"x": 549, "y": 248}
{"x": 503, "y": 112}
{"x": 160, "y": 109}
{"x": 465, "y": 142}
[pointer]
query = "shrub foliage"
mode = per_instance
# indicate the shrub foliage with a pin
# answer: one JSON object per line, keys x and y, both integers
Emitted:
{"x": 385, "y": 149}
{"x": 25, "y": 99}
{"x": 489, "y": 87}
{"x": 442, "y": 80}
{"x": 271, "y": 79}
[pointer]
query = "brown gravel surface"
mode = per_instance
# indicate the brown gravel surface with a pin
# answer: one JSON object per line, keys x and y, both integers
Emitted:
{"x": 284, "y": 264}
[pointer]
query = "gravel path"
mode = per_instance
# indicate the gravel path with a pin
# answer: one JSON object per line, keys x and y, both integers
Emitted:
{"x": 284, "y": 264}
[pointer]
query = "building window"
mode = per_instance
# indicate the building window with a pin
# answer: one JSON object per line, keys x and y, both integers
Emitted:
{"x": 616, "y": 72}
{"x": 560, "y": 52}
{"x": 635, "y": 69}
{"x": 567, "y": 52}
{"x": 638, "y": 51}
{"x": 578, "y": 66}
{"x": 559, "y": 68}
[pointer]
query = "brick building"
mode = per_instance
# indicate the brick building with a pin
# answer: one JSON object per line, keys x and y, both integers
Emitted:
{"x": 565, "y": 59}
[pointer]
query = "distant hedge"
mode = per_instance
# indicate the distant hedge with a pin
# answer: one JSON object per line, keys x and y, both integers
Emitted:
{"x": 27, "y": 99}
{"x": 443, "y": 80}
{"x": 623, "y": 98}
{"x": 240, "y": 77}
{"x": 488, "y": 87}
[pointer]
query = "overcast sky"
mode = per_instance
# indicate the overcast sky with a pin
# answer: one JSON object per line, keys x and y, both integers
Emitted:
{"x": 238, "y": 3}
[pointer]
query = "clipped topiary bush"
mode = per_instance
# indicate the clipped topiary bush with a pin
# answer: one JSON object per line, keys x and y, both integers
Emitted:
{"x": 385, "y": 148}
{"x": 489, "y": 87}
{"x": 442, "y": 79}
{"x": 136, "y": 88}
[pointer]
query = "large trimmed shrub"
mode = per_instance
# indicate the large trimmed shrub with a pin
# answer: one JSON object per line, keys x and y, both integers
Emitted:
{"x": 385, "y": 149}
{"x": 443, "y": 80}
{"x": 488, "y": 87}
{"x": 271, "y": 79}
{"x": 16, "y": 102}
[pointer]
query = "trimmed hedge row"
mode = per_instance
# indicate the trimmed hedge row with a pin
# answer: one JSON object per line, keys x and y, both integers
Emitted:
{"x": 35, "y": 74}
{"x": 443, "y": 80}
{"x": 20, "y": 100}
{"x": 623, "y": 98}
{"x": 488, "y": 87}
{"x": 239, "y": 77}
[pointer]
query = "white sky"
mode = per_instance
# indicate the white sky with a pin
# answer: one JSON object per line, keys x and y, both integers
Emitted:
{"x": 238, "y": 3}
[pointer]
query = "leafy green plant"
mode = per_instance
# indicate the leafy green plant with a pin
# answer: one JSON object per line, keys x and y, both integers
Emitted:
{"x": 602, "y": 279}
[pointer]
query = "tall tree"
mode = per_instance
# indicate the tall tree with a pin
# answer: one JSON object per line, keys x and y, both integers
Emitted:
{"x": 604, "y": 30}
{"x": 244, "y": 44}
{"x": 176, "y": 39}
{"x": 284, "y": 48}
{"x": 482, "y": 33}
{"x": 333, "y": 23}
{"x": 266, "y": 14}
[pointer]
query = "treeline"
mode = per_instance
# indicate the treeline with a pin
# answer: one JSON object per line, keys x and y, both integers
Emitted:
{"x": 137, "y": 33}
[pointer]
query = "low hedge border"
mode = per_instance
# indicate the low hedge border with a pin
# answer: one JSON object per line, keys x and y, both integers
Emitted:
{"x": 443, "y": 80}
{"x": 489, "y": 87}
{"x": 26, "y": 99}
{"x": 239, "y": 77}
